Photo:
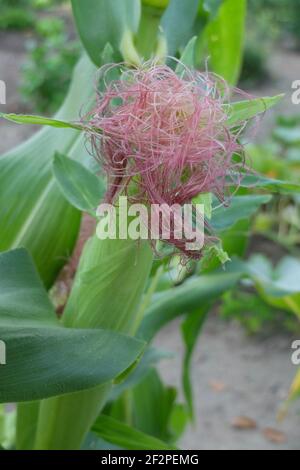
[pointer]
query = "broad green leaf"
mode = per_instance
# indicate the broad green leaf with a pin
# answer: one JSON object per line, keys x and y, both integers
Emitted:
{"x": 43, "y": 358}
{"x": 295, "y": 388}
{"x": 33, "y": 212}
{"x": 240, "y": 207}
{"x": 45, "y": 362}
{"x": 107, "y": 291}
{"x": 27, "y": 418}
{"x": 241, "y": 111}
{"x": 156, "y": 3}
{"x": 187, "y": 57}
{"x": 7, "y": 427}
{"x": 184, "y": 299}
{"x": 100, "y": 22}
{"x": 23, "y": 299}
{"x": 125, "y": 436}
{"x": 151, "y": 357}
{"x": 41, "y": 121}
{"x": 190, "y": 329}
{"x": 177, "y": 23}
{"x": 277, "y": 285}
{"x": 81, "y": 187}
{"x": 225, "y": 36}
{"x": 287, "y": 136}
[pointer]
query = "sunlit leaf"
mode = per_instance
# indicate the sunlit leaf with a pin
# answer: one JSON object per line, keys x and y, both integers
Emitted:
{"x": 44, "y": 359}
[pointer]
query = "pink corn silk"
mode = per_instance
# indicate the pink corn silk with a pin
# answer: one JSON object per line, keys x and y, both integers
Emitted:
{"x": 167, "y": 133}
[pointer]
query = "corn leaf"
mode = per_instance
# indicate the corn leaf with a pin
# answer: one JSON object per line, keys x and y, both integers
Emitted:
{"x": 43, "y": 358}
{"x": 270, "y": 184}
{"x": 100, "y": 22}
{"x": 225, "y": 38}
{"x": 23, "y": 301}
{"x": 82, "y": 188}
{"x": 187, "y": 57}
{"x": 191, "y": 328}
{"x": 41, "y": 121}
{"x": 177, "y": 23}
{"x": 243, "y": 110}
{"x": 241, "y": 207}
{"x": 295, "y": 388}
{"x": 116, "y": 432}
{"x": 184, "y": 299}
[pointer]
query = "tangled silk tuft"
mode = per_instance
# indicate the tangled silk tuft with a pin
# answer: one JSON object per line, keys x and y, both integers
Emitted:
{"x": 165, "y": 135}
